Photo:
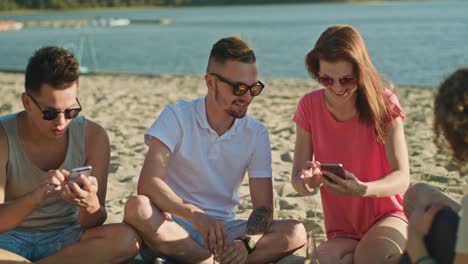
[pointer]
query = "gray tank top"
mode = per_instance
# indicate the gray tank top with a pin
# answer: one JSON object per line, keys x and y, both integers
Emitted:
{"x": 23, "y": 176}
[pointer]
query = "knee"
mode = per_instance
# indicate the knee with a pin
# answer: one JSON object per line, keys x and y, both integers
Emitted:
{"x": 296, "y": 234}
{"x": 382, "y": 250}
{"x": 325, "y": 255}
{"x": 125, "y": 241}
{"x": 137, "y": 210}
{"x": 416, "y": 190}
{"x": 417, "y": 196}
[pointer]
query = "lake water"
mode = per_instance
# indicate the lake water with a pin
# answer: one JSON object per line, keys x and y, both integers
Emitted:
{"x": 416, "y": 42}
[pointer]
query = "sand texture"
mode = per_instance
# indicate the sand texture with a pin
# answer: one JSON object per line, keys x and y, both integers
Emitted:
{"x": 126, "y": 105}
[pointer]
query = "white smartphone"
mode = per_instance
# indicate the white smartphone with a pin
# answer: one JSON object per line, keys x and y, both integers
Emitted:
{"x": 335, "y": 168}
{"x": 74, "y": 173}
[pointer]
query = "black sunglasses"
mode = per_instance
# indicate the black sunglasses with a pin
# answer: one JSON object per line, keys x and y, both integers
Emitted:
{"x": 51, "y": 114}
{"x": 240, "y": 88}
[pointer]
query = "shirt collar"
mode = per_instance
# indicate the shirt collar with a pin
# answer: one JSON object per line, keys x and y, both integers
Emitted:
{"x": 202, "y": 119}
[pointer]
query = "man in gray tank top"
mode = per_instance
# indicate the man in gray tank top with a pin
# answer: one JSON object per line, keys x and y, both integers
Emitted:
{"x": 46, "y": 217}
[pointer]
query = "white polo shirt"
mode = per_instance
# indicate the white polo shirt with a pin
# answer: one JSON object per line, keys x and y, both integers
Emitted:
{"x": 206, "y": 169}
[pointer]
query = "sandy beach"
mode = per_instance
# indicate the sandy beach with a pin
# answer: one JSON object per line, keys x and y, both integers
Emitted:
{"x": 126, "y": 105}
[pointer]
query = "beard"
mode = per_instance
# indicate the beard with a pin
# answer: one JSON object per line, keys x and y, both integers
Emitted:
{"x": 235, "y": 113}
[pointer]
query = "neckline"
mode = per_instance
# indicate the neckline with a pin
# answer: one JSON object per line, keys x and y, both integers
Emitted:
{"x": 330, "y": 115}
{"x": 24, "y": 154}
{"x": 202, "y": 117}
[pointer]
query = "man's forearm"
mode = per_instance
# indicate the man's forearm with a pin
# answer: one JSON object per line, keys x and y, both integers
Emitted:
{"x": 14, "y": 212}
{"x": 259, "y": 221}
{"x": 167, "y": 201}
{"x": 88, "y": 219}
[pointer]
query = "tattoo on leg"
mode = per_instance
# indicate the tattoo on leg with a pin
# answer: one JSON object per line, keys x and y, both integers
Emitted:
{"x": 259, "y": 221}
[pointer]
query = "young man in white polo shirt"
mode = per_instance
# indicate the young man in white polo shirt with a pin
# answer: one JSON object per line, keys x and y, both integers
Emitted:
{"x": 198, "y": 154}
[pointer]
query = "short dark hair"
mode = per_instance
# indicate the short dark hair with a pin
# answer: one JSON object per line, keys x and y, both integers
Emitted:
{"x": 451, "y": 113}
{"x": 54, "y": 66}
{"x": 231, "y": 48}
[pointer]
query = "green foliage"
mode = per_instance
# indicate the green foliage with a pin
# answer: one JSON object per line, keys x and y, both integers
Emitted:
{"x": 7, "y": 4}
{"x": 70, "y": 4}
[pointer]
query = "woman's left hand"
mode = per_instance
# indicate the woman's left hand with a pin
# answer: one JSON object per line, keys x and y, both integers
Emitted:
{"x": 347, "y": 186}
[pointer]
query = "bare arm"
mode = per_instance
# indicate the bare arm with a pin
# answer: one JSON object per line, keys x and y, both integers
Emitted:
{"x": 261, "y": 193}
{"x": 303, "y": 152}
{"x": 97, "y": 150}
{"x": 151, "y": 182}
{"x": 13, "y": 212}
{"x": 397, "y": 181}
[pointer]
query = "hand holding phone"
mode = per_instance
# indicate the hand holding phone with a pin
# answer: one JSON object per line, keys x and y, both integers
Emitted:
{"x": 75, "y": 173}
{"x": 335, "y": 168}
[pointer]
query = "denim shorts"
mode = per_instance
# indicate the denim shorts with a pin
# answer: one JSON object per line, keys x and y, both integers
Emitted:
{"x": 36, "y": 245}
{"x": 234, "y": 230}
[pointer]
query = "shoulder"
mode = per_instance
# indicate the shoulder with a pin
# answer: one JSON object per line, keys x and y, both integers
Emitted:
{"x": 181, "y": 111}
{"x": 8, "y": 119}
{"x": 3, "y": 140}
{"x": 395, "y": 104}
{"x": 3, "y": 147}
{"x": 314, "y": 95}
{"x": 311, "y": 98}
{"x": 95, "y": 132}
{"x": 184, "y": 106}
{"x": 391, "y": 96}
{"x": 6, "y": 123}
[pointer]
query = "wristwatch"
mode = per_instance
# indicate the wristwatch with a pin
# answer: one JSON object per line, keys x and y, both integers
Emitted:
{"x": 248, "y": 243}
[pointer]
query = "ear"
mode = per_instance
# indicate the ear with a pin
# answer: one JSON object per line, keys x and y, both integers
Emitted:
{"x": 210, "y": 82}
{"x": 26, "y": 101}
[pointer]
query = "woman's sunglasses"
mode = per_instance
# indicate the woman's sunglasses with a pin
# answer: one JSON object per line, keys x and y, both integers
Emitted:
{"x": 239, "y": 89}
{"x": 51, "y": 114}
{"x": 328, "y": 82}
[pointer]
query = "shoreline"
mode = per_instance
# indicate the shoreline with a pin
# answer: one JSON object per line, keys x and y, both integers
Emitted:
{"x": 24, "y": 11}
{"x": 155, "y": 75}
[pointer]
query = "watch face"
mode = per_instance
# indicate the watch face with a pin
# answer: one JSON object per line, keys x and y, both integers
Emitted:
{"x": 251, "y": 244}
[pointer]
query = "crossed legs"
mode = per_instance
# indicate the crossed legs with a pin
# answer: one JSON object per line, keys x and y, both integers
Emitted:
{"x": 169, "y": 239}
{"x": 383, "y": 243}
{"x": 113, "y": 243}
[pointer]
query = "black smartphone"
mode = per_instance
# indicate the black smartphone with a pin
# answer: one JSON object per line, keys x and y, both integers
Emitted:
{"x": 335, "y": 168}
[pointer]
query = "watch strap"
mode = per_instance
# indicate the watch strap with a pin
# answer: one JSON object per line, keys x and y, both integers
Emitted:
{"x": 248, "y": 243}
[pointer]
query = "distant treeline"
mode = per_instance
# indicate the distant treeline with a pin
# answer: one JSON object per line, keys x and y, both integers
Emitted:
{"x": 70, "y": 4}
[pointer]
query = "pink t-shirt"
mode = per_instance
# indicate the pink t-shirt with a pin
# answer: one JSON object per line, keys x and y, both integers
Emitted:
{"x": 353, "y": 144}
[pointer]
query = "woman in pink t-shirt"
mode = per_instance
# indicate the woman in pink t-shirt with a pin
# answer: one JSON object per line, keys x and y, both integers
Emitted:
{"x": 357, "y": 122}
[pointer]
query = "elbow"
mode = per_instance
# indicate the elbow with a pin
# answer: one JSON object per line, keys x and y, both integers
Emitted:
{"x": 6, "y": 228}
{"x": 8, "y": 224}
{"x": 405, "y": 183}
{"x": 142, "y": 189}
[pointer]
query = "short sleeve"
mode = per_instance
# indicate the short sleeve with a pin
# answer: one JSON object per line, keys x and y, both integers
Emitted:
{"x": 302, "y": 115}
{"x": 395, "y": 103}
{"x": 260, "y": 163}
{"x": 166, "y": 128}
{"x": 462, "y": 235}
